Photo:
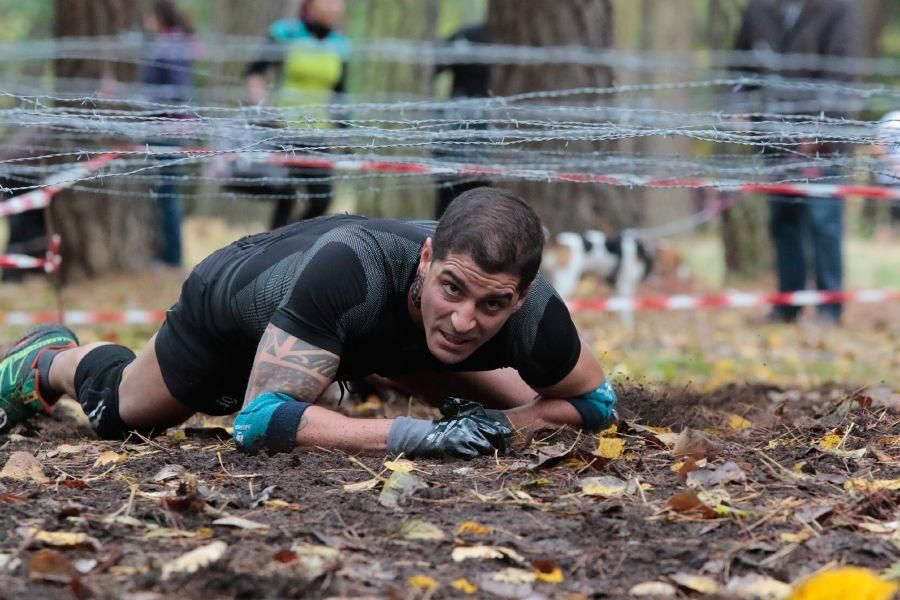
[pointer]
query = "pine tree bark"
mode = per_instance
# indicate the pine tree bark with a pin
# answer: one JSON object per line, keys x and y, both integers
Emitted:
{"x": 101, "y": 233}
{"x": 578, "y": 22}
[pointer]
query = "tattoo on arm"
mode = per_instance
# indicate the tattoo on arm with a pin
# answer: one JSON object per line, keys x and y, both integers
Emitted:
{"x": 286, "y": 364}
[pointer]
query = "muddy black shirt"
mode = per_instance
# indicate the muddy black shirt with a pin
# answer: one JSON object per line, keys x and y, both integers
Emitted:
{"x": 341, "y": 283}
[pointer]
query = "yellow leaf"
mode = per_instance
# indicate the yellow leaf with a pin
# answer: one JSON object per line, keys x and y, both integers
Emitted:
{"x": 63, "y": 538}
{"x": 514, "y": 576}
{"x": 677, "y": 466}
{"x": 283, "y": 504}
{"x": 553, "y": 576}
{"x": 606, "y": 486}
{"x": 423, "y": 581}
{"x": 773, "y": 444}
{"x": 610, "y": 431}
{"x": 362, "y": 486}
{"x": 610, "y": 447}
{"x": 830, "y": 441}
{"x": 697, "y": 583}
{"x": 461, "y": 553}
{"x": 400, "y": 465}
{"x": 464, "y": 585}
{"x": 795, "y": 538}
{"x": 108, "y": 458}
{"x": 847, "y": 583}
{"x": 178, "y": 435}
{"x": 474, "y": 528}
{"x": 867, "y": 486}
{"x": 738, "y": 422}
{"x": 196, "y": 559}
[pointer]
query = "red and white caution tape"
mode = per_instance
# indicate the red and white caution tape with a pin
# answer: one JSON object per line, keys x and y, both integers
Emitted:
{"x": 50, "y": 263}
{"x": 83, "y": 317}
{"x": 678, "y": 302}
{"x": 731, "y": 300}
{"x": 41, "y": 197}
{"x": 810, "y": 190}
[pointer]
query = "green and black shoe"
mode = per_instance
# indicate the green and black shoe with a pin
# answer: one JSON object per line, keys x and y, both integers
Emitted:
{"x": 21, "y": 395}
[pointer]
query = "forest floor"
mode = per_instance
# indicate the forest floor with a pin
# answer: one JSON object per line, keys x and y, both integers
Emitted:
{"x": 749, "y": 457}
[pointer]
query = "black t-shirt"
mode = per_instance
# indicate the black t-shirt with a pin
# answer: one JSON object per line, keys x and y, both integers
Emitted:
{"x": 341, "y": 283}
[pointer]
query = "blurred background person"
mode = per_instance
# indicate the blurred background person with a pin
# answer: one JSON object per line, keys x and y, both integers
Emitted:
{"x": 888, "y": 172}
{"x": 806, "y": 231}
{"x": 166, "y": 78}
{"x": 468, "y": 80}
{"x": 307, "y": 56}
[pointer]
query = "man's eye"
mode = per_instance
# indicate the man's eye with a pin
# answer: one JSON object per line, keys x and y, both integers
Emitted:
{"x": 451, "y": 289}
{"x": 494, "y": 305}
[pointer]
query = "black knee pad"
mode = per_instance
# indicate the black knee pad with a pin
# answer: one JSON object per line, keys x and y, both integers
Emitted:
{"x": 97, "y": 380}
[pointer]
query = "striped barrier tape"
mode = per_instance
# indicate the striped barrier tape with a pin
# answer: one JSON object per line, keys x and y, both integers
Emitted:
{"x": 731, "y": 300}
{"x": 676, "y": 302}
{"x": 50, "y": 263}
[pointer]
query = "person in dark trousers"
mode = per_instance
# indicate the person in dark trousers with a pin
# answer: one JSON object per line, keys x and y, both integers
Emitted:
{"x": 806, "y": 231}
{"x": 266, "y": 324}
{"x": 309, "y": 64}
{"x": 165, "y": 74}
{"x": 469, "y": 80}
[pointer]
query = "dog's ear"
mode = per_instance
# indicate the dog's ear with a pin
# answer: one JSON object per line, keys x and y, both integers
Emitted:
{"x": 647, "y": 253}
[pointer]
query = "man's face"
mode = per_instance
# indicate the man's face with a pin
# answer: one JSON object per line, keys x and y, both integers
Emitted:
{"x": 462, "y": 305}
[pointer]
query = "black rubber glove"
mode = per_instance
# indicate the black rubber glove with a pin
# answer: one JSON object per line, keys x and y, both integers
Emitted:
{"x": 465, "y": 431}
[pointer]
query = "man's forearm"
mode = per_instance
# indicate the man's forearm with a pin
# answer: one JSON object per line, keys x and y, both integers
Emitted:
{"x": 543, "y": 413}
{"x": 328, "y": 429}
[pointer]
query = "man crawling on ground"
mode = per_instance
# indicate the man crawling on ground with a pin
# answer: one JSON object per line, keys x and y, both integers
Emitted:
{"x": 453, "y": 309}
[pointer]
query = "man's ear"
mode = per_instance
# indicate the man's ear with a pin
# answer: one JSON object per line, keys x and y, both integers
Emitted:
{"x": 524, "y": 296}
{"x": 425, "y": 257}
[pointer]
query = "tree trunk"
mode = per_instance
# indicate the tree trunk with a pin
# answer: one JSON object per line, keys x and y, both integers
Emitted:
{"x": 744, "y": 229}
{"x": 414, "y": 20}
{"x": 578, "y": 22}
{"x": 101, "y": 233}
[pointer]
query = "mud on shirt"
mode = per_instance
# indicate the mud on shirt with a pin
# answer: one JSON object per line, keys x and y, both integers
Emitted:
{"x": 341, "y": 283}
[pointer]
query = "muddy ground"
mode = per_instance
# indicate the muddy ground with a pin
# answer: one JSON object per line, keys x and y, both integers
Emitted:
{"x": 784, "y": 483}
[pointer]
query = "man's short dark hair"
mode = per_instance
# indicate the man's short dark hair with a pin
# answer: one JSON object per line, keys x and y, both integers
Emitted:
{"x": 496, "y": 228}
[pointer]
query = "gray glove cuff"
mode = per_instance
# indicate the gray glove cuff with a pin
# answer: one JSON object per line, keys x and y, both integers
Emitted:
{"x": 406, "y": 434}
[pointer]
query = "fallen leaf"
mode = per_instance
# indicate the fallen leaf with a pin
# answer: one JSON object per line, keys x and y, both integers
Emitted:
{"x": 728, "y": 472}
{"x": 196, "y": 559}
{"x": 8, "y": 562}
{"x": 846, "y": 583}
{"x": 401, "y": 465}
{"x": 108, "y": 458}
{"x": 739, "y": 423}
{"x": 423, "y": 582}
{"x": 399, "y": 488}
{"x": 24, "y": 467}
{"x": 285, "y": 556}
{"x": 282, "y": 504}
{"x": 757, "y": 587}
{"x": 695, "y": 444}
{"x": 51, "y": 565}
{"x": 548, "y": 456}
{"x": 657, "y": 589}
{"x": 689, "y": 502}
{"x": 547, "y": 570}
{"x": 464, "y": 585}
{"x": 362, "y": 486}
{"x": 514, "y": 575}
{"x": 664, "y": 436}
{"x": 610, "y": 448}
{"x": 240, "y": 523}
{"x": 315, "y": 561}
{"x": 846, "y": 454}
{"x": 605, "y": 486}
{"x": 868, "y": 486}
{"x": 795, "y": 538}
{"x": 696, "y": 583}
{"x": 473, "y": 527}
{"x": 169, "y": 472}
{"x": 417, "y": 529}
{"x": 480, "y": 552}
{"x": 70, "y": 449}
{"x": 60, "y": 538}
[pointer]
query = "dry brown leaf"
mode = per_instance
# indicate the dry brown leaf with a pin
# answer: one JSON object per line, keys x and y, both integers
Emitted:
{"x": 689, "y": 502}
{"x": 109, "y": 457}
{"x": 481, "y": 552}
{"x": 169, "y": 472}
{"x": 474, "y": 527}
{"x": 728, "y": 472}
{"x": 195, "y": 560}
{"x": 695, "y": 444}
{"x": 314, "y": 560}
{"x": 60, "y": 538}
{"x": 757, "y": 587}
{"x": 401, "y": 464}
{"x": 362, "y": 486}
{"x": 23, "y": 466}
{"x": 51, "y": 565}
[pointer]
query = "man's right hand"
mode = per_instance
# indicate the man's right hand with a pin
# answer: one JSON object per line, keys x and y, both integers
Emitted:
{"x": 465, "y": 431}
